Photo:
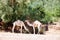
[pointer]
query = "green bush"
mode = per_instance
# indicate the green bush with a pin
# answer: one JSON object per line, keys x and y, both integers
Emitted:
{"x": 42, "y": 10}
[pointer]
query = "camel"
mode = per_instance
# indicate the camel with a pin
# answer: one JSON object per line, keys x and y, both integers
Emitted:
{"x": 34, "y": 24}
{"x": 20, "y": 24}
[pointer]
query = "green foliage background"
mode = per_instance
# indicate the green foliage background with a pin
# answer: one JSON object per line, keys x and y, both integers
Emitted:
{"x": 42, "y": 10}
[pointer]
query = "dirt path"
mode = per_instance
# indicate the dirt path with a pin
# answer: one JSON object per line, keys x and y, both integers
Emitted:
{"x": 12, "y": 36}
{"x": 52, "y": 34}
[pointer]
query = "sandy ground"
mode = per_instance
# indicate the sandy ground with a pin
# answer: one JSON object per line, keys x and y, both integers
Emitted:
{"x": 13, "y": 36}
{"x": 52, "y": 34}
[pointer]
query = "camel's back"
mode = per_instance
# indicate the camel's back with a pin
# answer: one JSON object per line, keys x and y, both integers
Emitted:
{"x": 18, "y": 23}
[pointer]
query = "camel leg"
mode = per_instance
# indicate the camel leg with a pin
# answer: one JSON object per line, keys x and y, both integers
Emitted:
{"x": 34, "y": 29}
{"x": 13, "y": 28}
{"x": 21, "y": 29}
{"x": 38, "y": 29}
